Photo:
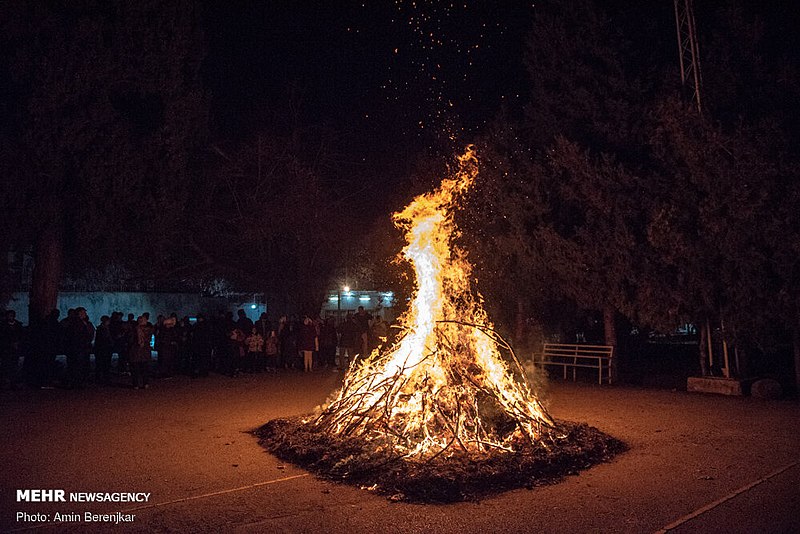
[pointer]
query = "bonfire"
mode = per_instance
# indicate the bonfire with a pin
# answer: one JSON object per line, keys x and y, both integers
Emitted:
{"x": 446, "y": 412}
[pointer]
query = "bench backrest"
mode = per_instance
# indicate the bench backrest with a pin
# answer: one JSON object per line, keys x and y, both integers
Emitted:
{"x": 562, "y": 349}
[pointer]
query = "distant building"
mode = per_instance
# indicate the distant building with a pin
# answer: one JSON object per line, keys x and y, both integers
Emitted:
{"x": 339, "y": 303}
{"x": 115, "y": 288}
{"x": 99, "y": 303}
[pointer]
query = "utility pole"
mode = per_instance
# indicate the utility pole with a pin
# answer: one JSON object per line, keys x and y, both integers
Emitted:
{"x": 691, "y": 78}
{"x": 688, "y": 50}
{"x": 689, "y": 60}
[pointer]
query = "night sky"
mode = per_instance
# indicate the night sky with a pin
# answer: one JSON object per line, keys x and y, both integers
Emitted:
{"x": 379, "y": 74}
{"x": 395, "y": 76}
{"x": 391, "y": 79}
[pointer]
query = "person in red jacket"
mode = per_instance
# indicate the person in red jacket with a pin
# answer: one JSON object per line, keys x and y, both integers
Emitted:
{"x": 140, "y": 353}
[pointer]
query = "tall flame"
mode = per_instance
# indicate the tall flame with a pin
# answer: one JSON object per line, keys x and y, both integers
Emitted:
{"x": 449, "y": 381}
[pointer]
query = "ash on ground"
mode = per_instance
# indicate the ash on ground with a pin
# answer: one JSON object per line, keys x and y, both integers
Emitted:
{"x": 459, "y": 476}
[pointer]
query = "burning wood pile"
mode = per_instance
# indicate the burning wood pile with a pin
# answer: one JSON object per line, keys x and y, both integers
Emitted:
{"x": 446, "y": 413}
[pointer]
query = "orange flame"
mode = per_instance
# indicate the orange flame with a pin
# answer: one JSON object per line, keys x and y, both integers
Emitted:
{"x": 445, "y": 383}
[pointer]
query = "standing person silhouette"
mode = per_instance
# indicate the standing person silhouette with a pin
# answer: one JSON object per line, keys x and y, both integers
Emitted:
{"x": 363, "y": 321}
{"x": 308, "y": 342}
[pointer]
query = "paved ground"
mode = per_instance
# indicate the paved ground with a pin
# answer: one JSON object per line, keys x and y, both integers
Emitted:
{"x": 697, "y": 464}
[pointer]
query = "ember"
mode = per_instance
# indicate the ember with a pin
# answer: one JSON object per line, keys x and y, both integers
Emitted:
{"x": 449, "y": 392}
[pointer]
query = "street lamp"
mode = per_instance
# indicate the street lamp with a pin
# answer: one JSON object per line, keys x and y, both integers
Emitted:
{"x": 343, "y": 290}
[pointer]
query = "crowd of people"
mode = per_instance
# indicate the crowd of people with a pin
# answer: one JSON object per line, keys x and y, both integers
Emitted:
{"x": 123, "y": 347}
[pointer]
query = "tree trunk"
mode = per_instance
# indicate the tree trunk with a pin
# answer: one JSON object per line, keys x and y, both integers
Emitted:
{"x": 796, "y": 347}
{"x": 47, "y": 271}
{"x": 703, "y": 347}
{"x": 609, "y": 326}
{"x": 610, "y": 335}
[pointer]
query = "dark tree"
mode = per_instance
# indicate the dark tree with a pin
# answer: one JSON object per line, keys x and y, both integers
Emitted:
{"x": 265, "y": 217}
{"x": 584, "y": 124}
{"x": 613, "y": 194}
{"x": 582, "y": 86}
{"x": 723, "y": 228}
{"x": 505, "y": 204}
{"x": 108, "y": 111}
{"x": 729, "y": 181}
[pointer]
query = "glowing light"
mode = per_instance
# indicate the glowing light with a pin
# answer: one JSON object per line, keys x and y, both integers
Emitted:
{"x": 445, "y": 383}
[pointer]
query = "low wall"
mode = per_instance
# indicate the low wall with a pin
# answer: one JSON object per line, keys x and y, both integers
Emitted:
{"x": 99, "y": 303}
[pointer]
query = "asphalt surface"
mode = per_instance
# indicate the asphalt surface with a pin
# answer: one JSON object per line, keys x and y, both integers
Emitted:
{"x": 697, "y": 463}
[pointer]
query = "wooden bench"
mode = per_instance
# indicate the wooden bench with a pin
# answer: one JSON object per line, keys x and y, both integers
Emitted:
{"x": 575, "y": 356}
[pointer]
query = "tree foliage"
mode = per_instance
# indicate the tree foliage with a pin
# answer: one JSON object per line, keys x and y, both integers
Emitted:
{"x": 610, "y": 192}
{"x": 109, "y": 111}
{"x": 262, "y": 215}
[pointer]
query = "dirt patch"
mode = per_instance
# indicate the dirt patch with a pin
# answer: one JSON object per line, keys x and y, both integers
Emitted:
{"x": 461, "y": 476}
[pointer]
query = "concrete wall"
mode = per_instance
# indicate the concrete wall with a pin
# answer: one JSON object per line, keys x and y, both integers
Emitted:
{"x": 98, "y": 304}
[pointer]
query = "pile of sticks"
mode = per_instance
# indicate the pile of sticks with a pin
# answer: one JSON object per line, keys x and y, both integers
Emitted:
{"x": 423, "y": 417}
